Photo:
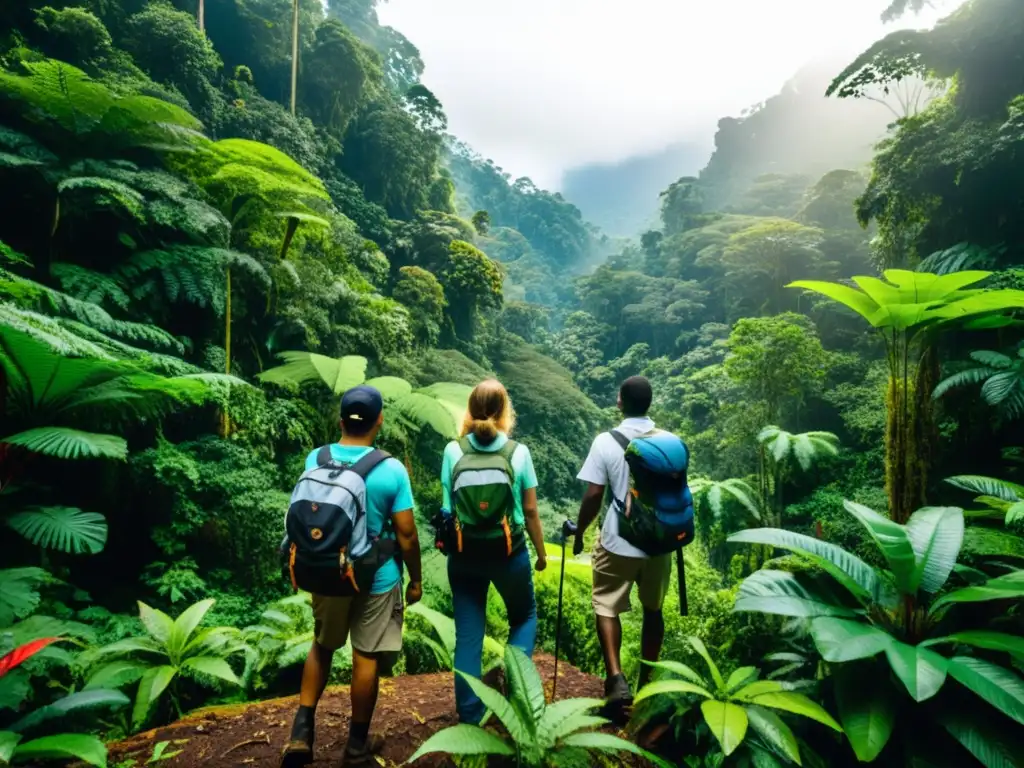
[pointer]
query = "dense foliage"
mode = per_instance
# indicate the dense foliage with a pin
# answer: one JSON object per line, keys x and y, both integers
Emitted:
{"x": 206, "y": 240}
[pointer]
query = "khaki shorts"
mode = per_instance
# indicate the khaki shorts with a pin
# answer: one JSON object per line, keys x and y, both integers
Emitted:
{"x": 614, "y": 576}
{"x": 375, "y": 621}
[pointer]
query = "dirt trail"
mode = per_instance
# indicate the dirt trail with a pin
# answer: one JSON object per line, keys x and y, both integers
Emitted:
{"x": 410, "y": 709}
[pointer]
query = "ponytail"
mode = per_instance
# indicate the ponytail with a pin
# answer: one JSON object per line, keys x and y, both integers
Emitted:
{"x": 488, "y": 412}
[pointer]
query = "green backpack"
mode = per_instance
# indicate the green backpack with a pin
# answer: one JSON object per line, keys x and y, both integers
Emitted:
{"x": 483, "y": 493}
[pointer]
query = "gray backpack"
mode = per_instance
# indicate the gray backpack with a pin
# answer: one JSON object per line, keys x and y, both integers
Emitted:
{"x": 327, "y": 546}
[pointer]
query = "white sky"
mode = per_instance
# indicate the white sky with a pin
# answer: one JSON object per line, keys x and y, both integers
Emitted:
{"x": 541, "y": 86}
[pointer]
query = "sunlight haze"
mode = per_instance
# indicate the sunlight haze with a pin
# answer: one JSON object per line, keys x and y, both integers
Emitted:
{"x": 541, "y": 86}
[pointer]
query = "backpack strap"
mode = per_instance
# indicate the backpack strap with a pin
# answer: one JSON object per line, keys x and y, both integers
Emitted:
{"x": 323, "y": 456}
{"x": 369, "y": 462}
{"x": 620, "y": 438}
{"x": 466, "y": 446}
{"x": 508, "y": 449}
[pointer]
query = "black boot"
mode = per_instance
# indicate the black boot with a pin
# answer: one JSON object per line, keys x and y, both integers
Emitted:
{"x": 618, "y": 699}
{"x": 299, "y": 749}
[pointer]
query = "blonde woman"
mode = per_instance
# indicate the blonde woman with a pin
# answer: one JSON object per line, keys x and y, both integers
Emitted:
{"x": 490, "y": 500}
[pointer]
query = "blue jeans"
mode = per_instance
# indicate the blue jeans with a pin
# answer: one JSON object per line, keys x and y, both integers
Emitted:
{"x": 513, "y": 578}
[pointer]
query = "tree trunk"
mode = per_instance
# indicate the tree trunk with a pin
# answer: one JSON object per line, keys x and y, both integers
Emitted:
{"x": 201, "y": 16}
{"x": 225, "y": 419}
{"x": 909, "y": 428}
{"x": 295, "y": 50}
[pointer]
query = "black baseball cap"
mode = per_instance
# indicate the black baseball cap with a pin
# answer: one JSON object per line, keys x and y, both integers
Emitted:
{"x": 360, "y": 407}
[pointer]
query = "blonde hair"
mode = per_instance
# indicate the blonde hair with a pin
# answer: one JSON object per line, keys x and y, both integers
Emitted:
{"x": 488, "y": 412}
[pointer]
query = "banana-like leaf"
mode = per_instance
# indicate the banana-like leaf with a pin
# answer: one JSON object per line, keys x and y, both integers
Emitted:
{"x": 988, "y": 486}
{"x": 1000, "y": 687}
{"x": 98, "y": 699}
{"x": 797, "y": 704}
{"x": 464, "y": 739}
{"x": 839, "y": 640}
{"x": 985, "y": 738}
{"x": 157, "y": 623}
{"x": 781, "y": 593}
{"x": 67, "y": 443}
{"x": 774, "y": 731}
{"x": 728, "y": 722}
{"x": 1005, "y": 587}
{"x": 849, "y": 570}
{"x": 64, "y": 746}
{"x": 983, "y": 638}
{"x": 920, "y": 669}
{"x": 423, "y": 410}
{"x": 893, "y": 541}
{"x": 936, "y": 534}
{"x": 525, "y": 687}
{"x": 856, "y": 300}
{"x": 867, "y": 709}
{"x": 65, "y": 529}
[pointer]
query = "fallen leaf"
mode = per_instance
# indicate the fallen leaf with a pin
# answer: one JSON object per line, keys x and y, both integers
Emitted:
{"x": 418, "y": 716}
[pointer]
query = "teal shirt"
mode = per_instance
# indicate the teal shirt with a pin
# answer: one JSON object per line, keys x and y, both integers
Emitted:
{"x": 522, "y": 466}
{"x": 388, "y": 492}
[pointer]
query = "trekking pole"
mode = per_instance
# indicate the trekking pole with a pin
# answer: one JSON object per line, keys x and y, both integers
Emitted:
{"x": 568, "y": 529}
{"x": 684, "y": 609}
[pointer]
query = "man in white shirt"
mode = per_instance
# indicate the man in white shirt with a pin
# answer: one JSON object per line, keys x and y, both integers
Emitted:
{"x": 616, "y": 564}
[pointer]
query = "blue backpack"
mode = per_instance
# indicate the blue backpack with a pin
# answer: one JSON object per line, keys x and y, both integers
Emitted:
{"x": 656, "y": 516}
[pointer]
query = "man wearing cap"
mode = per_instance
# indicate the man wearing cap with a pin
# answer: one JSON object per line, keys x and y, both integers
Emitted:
{"x": 374, "y": 620}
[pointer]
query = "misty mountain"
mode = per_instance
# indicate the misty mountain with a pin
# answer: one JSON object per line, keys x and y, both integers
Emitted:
{"x": 622, "y": 198}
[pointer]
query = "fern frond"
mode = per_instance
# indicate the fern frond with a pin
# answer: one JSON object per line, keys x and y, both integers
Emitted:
{"x": 961, "y": 379}
{"x": 88, "y": 285}
{"x": 104, "y": 195}
{"x": 340, "y": 374}
{"x": 66, "y": 443}
{"x": 991, "y": 359}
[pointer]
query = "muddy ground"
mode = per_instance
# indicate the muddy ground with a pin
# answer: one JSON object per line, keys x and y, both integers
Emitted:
{"x": 410, "y": 709}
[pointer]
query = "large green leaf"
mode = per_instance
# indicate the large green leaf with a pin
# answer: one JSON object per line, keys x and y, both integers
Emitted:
{"x": 774, "y": 731}
{"x": 185, "y": 625}
{"x": 698, "y": 645}
{"x": 1005, "y": 587}
{"x": 559, "y": 718}
{"x": 728, "y": 723}
{"x": 66, "y": 443}
{"x": 1000, "y": 687}
{"x": 983, "y": 638}
{"x": 519, "y": 731}
{"x": 921, "y": 670}
{"x": 340, "y": 374}
{"x": 157, "y": 623}
{"x": 72, "y": 703}
{"x": 892, "y": 539}
{"x": 867, "y": 709}
{"x": 65, "y": 529}
{"x": 985, "y": 737}
{"x": 463, "y": 739}
{"x": 15, "y": 689}
{"x": 936, "y": 534}
{"x": 797, "y": 704}
{"x": 677, "y": 687}
{"x": 988, "y": 486}
{"x": 116, "y": 674}
{"x": 856, "y": 300}
{"x": 783, "y": 594}
{"x": 741, "y": 676}
{"x": 678, "y": 668}
{"x": 525, "y": 687}
{"x": 211, "y": 667}
{"x": 390, "y": 387}
{"x": 64, "y": 746}
{"x": 8, "y": 741}
{"x": 151, "y": 687}
{"x": 839, "y": 640}
{"x": 422, "y": 410}
{"x": 606, "y": 742}
{"x": 849, "y": 570}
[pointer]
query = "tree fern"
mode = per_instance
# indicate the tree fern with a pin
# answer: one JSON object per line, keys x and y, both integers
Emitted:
{"x": 65, "y": 529}
{"x": 67, "y": 443}
{"x": 960, "y": 257}
{"x": 88, "y": 285}
{"x": 715, "y": 492}
{"x": 805, "y": 447}
{"x": 340, "y": 374}
{"x": 98, "y": 194}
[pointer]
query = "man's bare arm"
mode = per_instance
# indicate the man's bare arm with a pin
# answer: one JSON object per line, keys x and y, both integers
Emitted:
{"x": 590, "y": 507}
{"x": 409, "y": 542}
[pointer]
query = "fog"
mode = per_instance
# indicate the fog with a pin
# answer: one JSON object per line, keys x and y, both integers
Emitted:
{"x": 542, "y": 86}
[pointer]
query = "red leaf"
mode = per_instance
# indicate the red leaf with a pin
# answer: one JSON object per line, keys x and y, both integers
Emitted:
{"x": 24, "y": 652}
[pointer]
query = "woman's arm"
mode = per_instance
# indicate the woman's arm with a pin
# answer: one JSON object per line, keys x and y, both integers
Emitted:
{"x": 533, "y": 527}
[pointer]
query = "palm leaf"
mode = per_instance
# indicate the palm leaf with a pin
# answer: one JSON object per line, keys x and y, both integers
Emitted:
{"x": 65, "y": 529}
{"x": 66, "y": 443}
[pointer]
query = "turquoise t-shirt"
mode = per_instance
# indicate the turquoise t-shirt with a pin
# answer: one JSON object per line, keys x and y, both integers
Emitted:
{"x": 522, "y": 466}
{"x": 388, "y": 492}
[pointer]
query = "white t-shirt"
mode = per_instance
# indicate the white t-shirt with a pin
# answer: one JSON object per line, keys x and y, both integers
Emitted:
{"x": 606, "y": 465}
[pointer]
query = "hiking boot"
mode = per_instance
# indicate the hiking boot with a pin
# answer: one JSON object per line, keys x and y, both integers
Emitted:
{"x": 363, "y": 754}
{"x": 299, "y": 749}
{"x": 618, "y": 699}
{"x": 495, "y": 679}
